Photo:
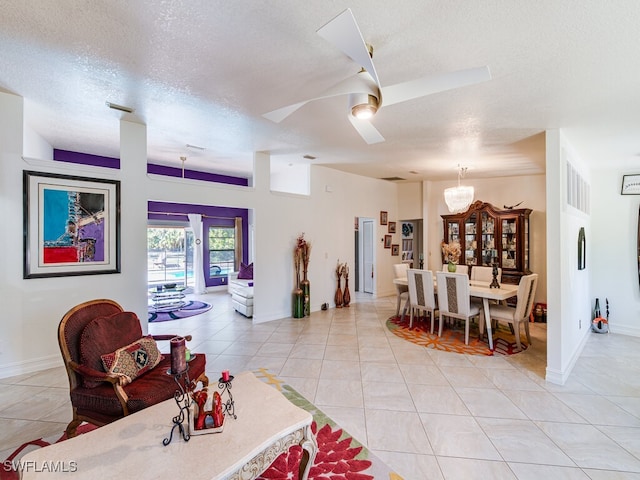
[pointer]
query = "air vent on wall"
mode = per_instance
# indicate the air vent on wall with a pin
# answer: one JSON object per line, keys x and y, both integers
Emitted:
{"x": 393, "y": 179}
{"x": 122, "y": 108}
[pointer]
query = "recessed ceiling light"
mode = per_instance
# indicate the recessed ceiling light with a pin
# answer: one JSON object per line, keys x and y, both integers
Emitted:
{"x": 122, "y": 108}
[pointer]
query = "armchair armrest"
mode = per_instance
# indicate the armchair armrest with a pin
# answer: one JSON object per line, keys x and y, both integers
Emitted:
{"x": 92, "y": 374}
{"x": 169, "y": 337}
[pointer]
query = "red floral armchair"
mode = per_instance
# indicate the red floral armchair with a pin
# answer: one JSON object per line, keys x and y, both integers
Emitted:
{"x": 91, "y": 333}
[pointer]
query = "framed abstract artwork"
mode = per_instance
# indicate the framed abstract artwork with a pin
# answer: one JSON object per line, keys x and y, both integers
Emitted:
{"x": 71, "y": 225}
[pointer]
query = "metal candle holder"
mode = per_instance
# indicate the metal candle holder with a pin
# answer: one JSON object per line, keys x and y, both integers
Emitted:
{"x": 183, "y": 399}
{"x": 225, "y": 385}
{"x": 494, "y": 272}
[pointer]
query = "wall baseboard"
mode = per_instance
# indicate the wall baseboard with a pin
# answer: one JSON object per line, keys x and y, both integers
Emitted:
{"x": 560, "y": 377}
{"x": 30, "y": 366}
{"x": 625, "y": 330}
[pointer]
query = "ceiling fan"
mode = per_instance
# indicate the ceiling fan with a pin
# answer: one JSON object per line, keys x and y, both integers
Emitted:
{"x": 366, "y": 95}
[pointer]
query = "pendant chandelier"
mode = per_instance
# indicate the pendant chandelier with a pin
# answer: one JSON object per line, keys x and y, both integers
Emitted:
{"x": 459, "y": 198}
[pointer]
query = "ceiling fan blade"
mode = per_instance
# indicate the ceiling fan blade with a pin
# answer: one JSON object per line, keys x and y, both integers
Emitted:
{"x": 355, "y": 84}
{"x": 366, "y": 130}
{"x": 344, "y": 33}
{"x": 401, "y": 92}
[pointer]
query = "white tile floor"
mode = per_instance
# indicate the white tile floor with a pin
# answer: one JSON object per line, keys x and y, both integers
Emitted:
{"x": 428, "y": 414}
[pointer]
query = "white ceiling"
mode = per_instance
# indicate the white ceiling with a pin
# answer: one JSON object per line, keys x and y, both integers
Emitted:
{"x": 203, "y": 73}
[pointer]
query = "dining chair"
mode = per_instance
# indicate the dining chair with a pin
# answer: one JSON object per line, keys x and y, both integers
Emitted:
{"x": 400, "y": 271}
{"x": 459, "y": 269}
{"x": 485, "y": 274}
{"x": 520, "y": 313}
{"x": 454, "y": 300}
{"x": 422, "y": 296}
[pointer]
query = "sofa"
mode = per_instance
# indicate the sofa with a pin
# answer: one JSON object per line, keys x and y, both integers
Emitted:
{"x": 241, "y": 290}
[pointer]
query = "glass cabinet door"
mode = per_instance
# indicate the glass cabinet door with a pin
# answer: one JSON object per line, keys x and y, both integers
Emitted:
{"x": 453, "y": 232}
{"x": 489, "y": 250}
{"x": 509, "y": 242}
{"x": 470, "y": 243}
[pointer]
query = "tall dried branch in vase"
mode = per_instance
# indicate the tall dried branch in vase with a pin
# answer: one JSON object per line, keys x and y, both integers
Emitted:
{"x": 304, "y": 249}
{"x": 346, "y": 297}
{"x": 338, "y": 298}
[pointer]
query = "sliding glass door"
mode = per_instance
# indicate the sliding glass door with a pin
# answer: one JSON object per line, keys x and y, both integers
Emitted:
{"x": 170, "y": 255}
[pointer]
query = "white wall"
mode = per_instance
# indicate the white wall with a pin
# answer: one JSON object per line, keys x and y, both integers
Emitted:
{"x": 410, "y": 202}
{"x": 569, "y": 298}
{"x": 34, "y": 307}
{"x": 612, "y": 250}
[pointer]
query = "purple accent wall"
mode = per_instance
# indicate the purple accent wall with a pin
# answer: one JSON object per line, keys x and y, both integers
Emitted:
{"x": 85, "y": 159}
{"x": 218, "y": 216}
{"x": 110, "y": 162}
{"x": 195, "y": 175}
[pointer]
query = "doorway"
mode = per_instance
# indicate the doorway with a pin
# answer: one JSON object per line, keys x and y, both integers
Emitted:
{"x": 366, "y": 254}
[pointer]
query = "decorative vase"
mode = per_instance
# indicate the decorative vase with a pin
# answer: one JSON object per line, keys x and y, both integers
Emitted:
{"x": 346, "y": 297}
{"x": 338, "y": 298}
{"x": 306, "y": 286}
{"x": 298, "y": 303}
{"x": 451, "y": 267}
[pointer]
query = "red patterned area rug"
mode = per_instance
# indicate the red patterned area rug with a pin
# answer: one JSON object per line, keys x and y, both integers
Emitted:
{"x": 339, "y": 457}
{"x": 452, "y": 339}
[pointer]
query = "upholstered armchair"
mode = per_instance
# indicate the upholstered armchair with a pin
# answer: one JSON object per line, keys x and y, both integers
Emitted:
{"x": 106, "y": 384}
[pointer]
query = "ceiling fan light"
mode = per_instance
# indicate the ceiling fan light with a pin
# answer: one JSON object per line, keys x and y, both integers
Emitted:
{"x": 366, "y": 109}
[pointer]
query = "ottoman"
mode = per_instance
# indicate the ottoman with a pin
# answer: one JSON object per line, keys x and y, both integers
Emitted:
{"x": 242, "y": 300}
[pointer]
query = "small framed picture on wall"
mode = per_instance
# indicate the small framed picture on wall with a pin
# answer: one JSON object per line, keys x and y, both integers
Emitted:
{"x": 392, "y": 227}
{"x": 387, "y": 241}
{"x": 383, "y": 218}
{"x": 395, "y": 250}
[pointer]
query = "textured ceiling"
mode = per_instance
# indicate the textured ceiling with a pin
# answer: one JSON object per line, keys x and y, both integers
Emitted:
{"x": 203, "y": 72}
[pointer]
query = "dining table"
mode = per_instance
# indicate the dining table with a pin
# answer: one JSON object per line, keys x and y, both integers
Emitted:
{"x": 482, "y": 290}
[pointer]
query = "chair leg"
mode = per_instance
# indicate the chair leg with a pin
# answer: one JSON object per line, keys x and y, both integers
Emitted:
{"x": 72, "y": 427}
{"x": 411, "y": 318}
{"x": 398, "y": 306}
{"x": 526, "y": 329}
{"x": 433, "y": 320}
{"x": 466, "y": 330}
{"x": 516, "y": 329}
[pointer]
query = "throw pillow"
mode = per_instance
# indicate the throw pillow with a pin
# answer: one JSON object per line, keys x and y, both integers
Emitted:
{"x": 104, "y": 335}
{"x": 133, "y": 360}
{"x": 246, "y": 271}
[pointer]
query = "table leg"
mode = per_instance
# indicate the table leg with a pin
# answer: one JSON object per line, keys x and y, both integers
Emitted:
{"x": 309, "y": 451}
{"x": 487, "y": 318}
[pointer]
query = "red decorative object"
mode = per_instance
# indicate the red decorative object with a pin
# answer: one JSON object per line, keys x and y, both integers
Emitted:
{"x": 225, "y": 375}
{"x": 218, "y": 418}
{"x": 200, "y": 397}
{"x": 336, "y": 460}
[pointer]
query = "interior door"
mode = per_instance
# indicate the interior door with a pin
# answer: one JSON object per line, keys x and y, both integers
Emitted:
{"x": 367, "y": 256}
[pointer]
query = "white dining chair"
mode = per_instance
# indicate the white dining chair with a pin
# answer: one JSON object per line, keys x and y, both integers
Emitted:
{"x": 422, "y": 296}
{"x": 520, "y": 313}
{"x": 454, "y": 300}
{"x": 459, "y": 268}
{"x": 485, "y": 274}
{"x": 400, "y": 271}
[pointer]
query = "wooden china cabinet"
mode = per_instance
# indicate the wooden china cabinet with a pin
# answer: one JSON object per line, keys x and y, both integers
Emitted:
{"x": 487, "y": 235}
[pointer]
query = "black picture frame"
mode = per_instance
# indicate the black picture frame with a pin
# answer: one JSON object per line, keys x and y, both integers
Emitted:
{"x": 71, "y": 225}
{"x": 630, "y": 185}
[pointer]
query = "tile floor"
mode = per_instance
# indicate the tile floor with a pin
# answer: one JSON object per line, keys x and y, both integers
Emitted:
{"x": 428, "y": 414}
